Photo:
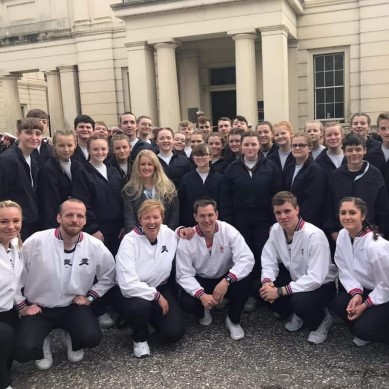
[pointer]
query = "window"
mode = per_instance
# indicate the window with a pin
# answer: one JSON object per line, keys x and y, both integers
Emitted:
{"x": 329, "y": 86}
{"x": 223, "y": 76}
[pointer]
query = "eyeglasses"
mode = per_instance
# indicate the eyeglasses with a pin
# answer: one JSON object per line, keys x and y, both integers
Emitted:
{"x": 298, "y": 145}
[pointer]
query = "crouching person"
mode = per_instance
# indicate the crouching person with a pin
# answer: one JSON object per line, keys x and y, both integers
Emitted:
{"x": 60, "y": 267}
{"x": 214, "y": 264}
{"x": 297, "y": 273}
{"x": 143, "y": 265}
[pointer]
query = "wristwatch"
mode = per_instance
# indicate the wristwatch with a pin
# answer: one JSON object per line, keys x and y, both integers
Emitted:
{"x": 229, "y": 279}
{"x": 91, "y": 299}
{"x": 279, "y": 292}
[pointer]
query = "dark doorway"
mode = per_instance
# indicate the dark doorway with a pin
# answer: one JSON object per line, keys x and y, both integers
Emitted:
{"x": 223, "y": 104}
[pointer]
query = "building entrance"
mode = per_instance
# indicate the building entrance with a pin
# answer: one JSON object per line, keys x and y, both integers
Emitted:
{"x": 223, "y": 104}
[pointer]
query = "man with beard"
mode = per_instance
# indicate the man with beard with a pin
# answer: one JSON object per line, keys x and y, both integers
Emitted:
{"x": 58, "y": 283}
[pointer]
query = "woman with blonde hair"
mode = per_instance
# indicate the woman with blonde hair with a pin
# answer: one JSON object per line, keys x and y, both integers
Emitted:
{"x": 283, "y": 132}
{"x": 149, "y": 181}
{"x": 10, "y": 269}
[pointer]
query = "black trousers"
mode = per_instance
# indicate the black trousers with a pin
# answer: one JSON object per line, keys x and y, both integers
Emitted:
{"x": 309, "y": 306}
{"x": 372, "y": 325}
{"x": 237, "y": 295}
{"x": 8, "y": 322}
{"x": 140, "y": 312}
{"x": 78, "y": 320}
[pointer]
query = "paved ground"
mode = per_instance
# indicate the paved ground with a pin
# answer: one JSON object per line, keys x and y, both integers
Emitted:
{"x": 268, "y": 358}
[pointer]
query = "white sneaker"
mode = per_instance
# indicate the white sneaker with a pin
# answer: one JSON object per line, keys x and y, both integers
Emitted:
{"x": 294, "y": 324}
{"x": 236, "y": 331}
{"x": 250, "y": 305}
{"x": 105, "y": 321}
{"x": 73, "y": 356}
{"x": 47, "y": 360}
{"x": 360, "y": 342}
{"x": 207, "y": 319}
{"x": 141, "y": 349}
{"x": 320, "y": 335}
{"x": 222, "y": 305}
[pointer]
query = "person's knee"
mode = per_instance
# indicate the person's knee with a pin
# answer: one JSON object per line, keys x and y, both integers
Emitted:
{"x": 173, "y": 333}
{"x": 7, "y": 338}
{"x": 299, "y": 303}
{"x": 90, "y": 338}
{"x": 25, "y": 349}
{"x": 340, "y": 303}
{"x": 137, "y": 308}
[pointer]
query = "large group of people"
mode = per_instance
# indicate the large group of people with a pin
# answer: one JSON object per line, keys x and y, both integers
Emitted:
{"x": 145, "y": 223}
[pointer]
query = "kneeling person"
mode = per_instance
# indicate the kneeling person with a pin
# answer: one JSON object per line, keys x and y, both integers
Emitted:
{"x": 60, "y": 267}
{"x": 297, "y": 273}
{"x": 214, "y": 264}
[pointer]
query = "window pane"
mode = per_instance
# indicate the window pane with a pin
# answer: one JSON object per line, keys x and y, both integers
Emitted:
{"x": 329, "y": 62}
{"x": 320, "y": 111}
{"x": 319, "y": 79}
{"x": 319, "y": 63}
{"x": 339, "y": 95}
{"x": 319, "y": 96}
{"x": 329, "y": 79}
{"x": 339, "y": 111}
{"x": 330, "y": 111}
{"x": 339, "y": 61}
{"x": 224, "y": 76}
{"x": 339, "y": 77}
{"x": 329, "y": 95}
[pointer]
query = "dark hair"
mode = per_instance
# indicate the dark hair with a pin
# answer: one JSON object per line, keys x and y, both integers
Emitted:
{"x": 353, "y": 140}
{"x": 96, "y": 137}
{"x": 240, "y": 118}
{"x": 361, "y": 114}
{"x": 29, "y": 124}
{"x": 83, "y": 119}
{"x": 265, "y": 123}
{"x": 142, "y": 117}
{"x": 250, "y": 133}
{"x": 224, "y": 119}
{"x": 204, "y": 202}
{"x": 362, "y": 206}
{"x": 236, "y": 131}
{"x": 126, "y": 113}
{"x": 218, "y": 135}
{"x": 200, "y": 150}
{"x": 37, "y": 113}
{"x": 203, "y": 120}
{"x": 283, "y": 197}
{"x": 382, "y": 116}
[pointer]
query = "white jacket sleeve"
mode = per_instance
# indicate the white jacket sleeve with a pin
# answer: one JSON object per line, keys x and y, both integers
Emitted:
{"x": 105, "y": 273}
{"x": 317, "y": 271}
{"x": 380, "y": 294}
{"x": 343, "y": 260}
{"x": 269, "y": 259}
{"x": 127, "y": 277}
{"x": 185, "y": 272}
{"x": 242, "y": 256}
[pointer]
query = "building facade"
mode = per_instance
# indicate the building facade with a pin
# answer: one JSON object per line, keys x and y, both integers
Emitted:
{"x": 264, "y": 59}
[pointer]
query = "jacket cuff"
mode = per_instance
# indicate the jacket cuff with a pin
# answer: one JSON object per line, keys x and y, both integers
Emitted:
{"x": 199, "y": 293}
{"x": 288, "y": 289}
{"x": 21, "y": 305}
{"x": 93, "y": 294}
{"x": 355, "y": 291}
{"x": 369, "y": 303}
{"x": 266, "y": 280}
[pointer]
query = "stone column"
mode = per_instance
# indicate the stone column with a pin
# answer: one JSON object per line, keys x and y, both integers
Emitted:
{"x": 169, "y": 105}
{"x": 54, "y": 96}
{"x": 141, "y": 76}
{"x": 246, "y": 92}
{"x": 189, "y": 81}
{"x": 275, "y": 73}
{"x": 81, "y": 14}
{"x": 70, "y": 94}
{"x": 12, "y": 109}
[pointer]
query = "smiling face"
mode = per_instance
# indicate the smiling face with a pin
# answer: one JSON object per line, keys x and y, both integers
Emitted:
{"x": 354, "y": 155}
{"x": 235, "y": 144}
{"x": 72, "y": 218}
{"x": 151, "y": 221}
{"x": 360, "y": 126}
{"x": 216, "y": 146}
{"x": 128, "y": 126}
{"x": 383, "y": 131}
{"x": 10, "y": 224}
{"x": 101, "y": 130}
{"x": 196, "y": 139}
{"x": 287, "y": 216}
{"x": 29, "y": 140}
{"x": 282, "y": 136}
{"x": 351, "y": 217}
{"x": 300, "y": 149}
{"x": 64, "y": 147}
{"x": 84, "y": 131}
{"x": 240, "y": 124}
{"x": 179, "y": 141}
{"x": 205, "y": 128}
{"x": 224, "y": 126}
{"x": 250, "y": 147}
{"x": 145, "y": 126}
{"x": 187, "y": 131}
{"x": 313, "y": 130}
{"x": 333, "y": 137}
{"x": 206, "y": 219}
{"x": 146, "y": 167}
{"x": 165, "y": 141}
{"x": 98, "y": 151}
{"x": 265, "y": 134}
{"x": 122, "y": 150}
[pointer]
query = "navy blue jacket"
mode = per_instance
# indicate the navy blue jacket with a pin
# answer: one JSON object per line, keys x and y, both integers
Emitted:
{"x": 15, "y": 182}
{"x": 220, "y": 165}
{"x": 101, "y": 197}
{"x": 369, "y": 185}
{"x": 326, "y": 163}
{"x": 79, "y": 155}
{"x": 140, "y": 145}
{"x": 249, "y": 198}
{"x": 377, "y": 158}
{"x": 178, "y": 166}
{"x": 54, "y": 187}
{"x": 192, "y": 188}
{"x": 309, "y": 187}
{"x": 44, "y": 153}
{"x": 275, "y": 158}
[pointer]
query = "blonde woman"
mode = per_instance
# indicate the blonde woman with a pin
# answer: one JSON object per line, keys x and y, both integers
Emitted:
{"x": 10, "y": 270}
{"x": 149, "y": 181}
